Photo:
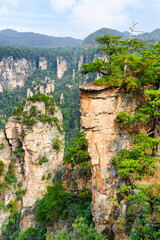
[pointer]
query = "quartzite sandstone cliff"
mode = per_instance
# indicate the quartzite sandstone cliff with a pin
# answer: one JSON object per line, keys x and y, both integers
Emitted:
{"x": 99, "y": 109}
{"x": 36, "y": 143}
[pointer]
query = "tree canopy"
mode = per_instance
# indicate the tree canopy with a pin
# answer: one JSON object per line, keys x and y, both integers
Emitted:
{"x": 125, "y": 63}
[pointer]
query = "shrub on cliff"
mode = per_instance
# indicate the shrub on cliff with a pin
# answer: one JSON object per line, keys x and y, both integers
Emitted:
{"x": 81, "y": 230}
{"x": 77, "y": 153}
{"x": 10, "y": 175}
{"x": 1, "y": 168}
{"x": 134, "y": 68}
{"x": 58, "y": 204}
{"x": 33, "y": 233}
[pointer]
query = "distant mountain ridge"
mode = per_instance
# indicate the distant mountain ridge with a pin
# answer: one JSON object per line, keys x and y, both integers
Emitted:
{"x": 153, "y": 36}
{"x": 90, "y": 39}
{"x": 9, "y": 37}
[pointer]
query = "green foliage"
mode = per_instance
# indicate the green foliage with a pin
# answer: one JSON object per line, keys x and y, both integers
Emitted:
{"x": 57, "y": 144}
{"x": 47, "y": 118}
{"x": 49, "y": 176}
{"x": 126, "y": 64}
{"x": 23, "y": 134}
{"x": 52, "y": 206}
{"x": 20, "y": 193}
{"x": 31, "y": 117}
{"x": 143, "y": 212}
{"x": 10, "y": 175}
{"x": 139, "y": 160}
{"x": 19, "y": 152}
{"x": 53, "y": 110}
{"x": 42, "y": 160}
{"x": 71, "y": 104}
{"x": 1, "y": 168}
{"x": 11, "y": 230}
{"x": 58, "y": 204}
{"x": 85, "y": 194}
{"x": 77, "y": 153}
{"x": 29, "y": 122}
{"x": 3, "y": 186}
{"x": 19, "y": 109}
{"x": 43, "y": 178}
{"x": 123, "y": 119}
{"x": 2, "y": 146}
{"x": 3, "y": 207}
{"x": 33, "y": 233}
{"x": 81, "y": 231}
{"x": 124, "y": 191}
{"x": 49, "y": 101}
{"x": 19, "y": 184}
{"x": 33, "y": 111}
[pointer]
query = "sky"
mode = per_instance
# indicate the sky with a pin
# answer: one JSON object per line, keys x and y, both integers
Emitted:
{"x": 78, "y": 18}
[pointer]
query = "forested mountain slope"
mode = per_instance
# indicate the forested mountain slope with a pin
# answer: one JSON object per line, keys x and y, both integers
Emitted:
{"x": 10, "y": 37}
{"x": 51, "y": 71}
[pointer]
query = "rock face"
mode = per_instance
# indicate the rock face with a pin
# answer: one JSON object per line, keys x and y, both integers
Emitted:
{"x": 76, "y": 179}
{"x": 39, "y": 160}
{"x": 99, "y": 109}
{"x": 45, "y": 87}
{"x": 61, "y": 67}
{"x": 80, "y": 62}
{"x": 43, "y": 63}
{"x": 13, "y": 72}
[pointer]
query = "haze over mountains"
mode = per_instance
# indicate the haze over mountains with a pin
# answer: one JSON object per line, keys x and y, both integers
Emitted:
{"x": 11, "y": 37}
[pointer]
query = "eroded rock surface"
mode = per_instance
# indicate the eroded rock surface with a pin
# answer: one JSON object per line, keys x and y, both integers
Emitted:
{"x": 13, "y": 72}
{"x": 61, "y": 67}
{"x": 39, "y": 160}
{"x": 99, "y": 109}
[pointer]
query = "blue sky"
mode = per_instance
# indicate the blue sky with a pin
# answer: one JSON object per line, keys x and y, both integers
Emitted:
{"x": 78, "y": 18}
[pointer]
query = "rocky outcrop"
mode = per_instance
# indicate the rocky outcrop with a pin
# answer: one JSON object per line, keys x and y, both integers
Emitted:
{"x": 46, "y": 87}
{"x": 99, "y": 109}
{"x": 43, "y": 63}
{"x": 13, "y": 72}
{"x": 74, "y": 75}
{"x": 61, "y": 98}
{"x": 80, "y": 62}
{"x": 61, "y": 67}
{"x": 76, "y": 179}
{"x": 36, "y": 158}
{"x": 37, "y": 143}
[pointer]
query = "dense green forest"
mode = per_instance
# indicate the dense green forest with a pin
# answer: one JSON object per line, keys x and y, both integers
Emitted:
{"x": 134, "y": 68}
{"x": 71, "y": 104}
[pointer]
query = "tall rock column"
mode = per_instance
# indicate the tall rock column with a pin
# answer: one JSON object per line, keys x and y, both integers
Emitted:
{"x": 99, "y": 109}
{"x": 32, "y": 145}
{"x": 61, "y": 67}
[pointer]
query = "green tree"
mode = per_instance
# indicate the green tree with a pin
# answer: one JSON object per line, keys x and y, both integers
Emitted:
{"x": 134, "y": 67}
{"x": 78, "y": 152}
{"x": 125, "y": 64}
{"x": 51, "y": 207}
{"x": 81, "y": 230}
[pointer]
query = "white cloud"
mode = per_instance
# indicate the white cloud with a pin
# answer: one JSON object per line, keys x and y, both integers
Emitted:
{"x": 95, "y": 14}
{"x": 62, "y": 5}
